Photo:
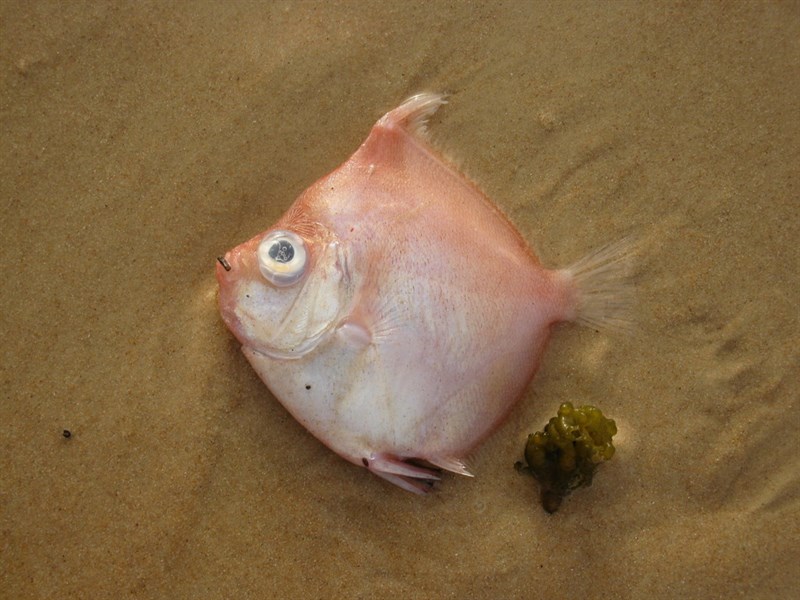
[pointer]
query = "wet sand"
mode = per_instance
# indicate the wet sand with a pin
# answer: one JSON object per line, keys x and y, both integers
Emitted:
{"x": 139, "y": 141}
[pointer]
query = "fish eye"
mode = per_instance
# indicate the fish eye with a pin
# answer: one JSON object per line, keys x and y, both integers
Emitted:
{"x": 282, "y": 258}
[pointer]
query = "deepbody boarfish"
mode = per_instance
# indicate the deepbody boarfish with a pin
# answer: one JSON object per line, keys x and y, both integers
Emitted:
{"x": 397, "y": 313}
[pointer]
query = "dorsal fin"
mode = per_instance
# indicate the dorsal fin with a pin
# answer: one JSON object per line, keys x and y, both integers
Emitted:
{"x": 413, "y": 114}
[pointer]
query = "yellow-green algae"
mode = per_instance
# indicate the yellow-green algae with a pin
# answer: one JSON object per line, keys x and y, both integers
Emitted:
{"x": 566, "y": 454}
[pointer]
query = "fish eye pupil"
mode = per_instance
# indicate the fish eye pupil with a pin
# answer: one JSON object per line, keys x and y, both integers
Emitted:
{"x": 281, "y": 251}
{"x": 282, "y": 257}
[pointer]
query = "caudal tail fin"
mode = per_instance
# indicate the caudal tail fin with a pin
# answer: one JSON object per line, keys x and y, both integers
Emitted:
{"x": 603, "y": 288}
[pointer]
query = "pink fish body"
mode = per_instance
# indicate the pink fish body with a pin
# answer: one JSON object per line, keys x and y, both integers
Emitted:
{"x": 396, "y": 313}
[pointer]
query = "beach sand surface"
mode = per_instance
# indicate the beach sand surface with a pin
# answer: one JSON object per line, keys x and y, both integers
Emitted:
{"x": 141, "y": 140}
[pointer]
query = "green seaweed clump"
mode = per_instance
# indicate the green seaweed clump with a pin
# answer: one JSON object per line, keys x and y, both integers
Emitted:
{"x": 566, "y": 454}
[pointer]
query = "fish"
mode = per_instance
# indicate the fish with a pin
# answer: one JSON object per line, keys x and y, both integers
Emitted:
{"x": 397, "y": 313}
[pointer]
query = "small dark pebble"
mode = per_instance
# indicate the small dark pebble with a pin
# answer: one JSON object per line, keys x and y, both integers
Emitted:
{"x": 66, "y": 433}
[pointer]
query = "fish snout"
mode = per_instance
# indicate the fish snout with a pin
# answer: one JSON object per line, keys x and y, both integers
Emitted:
{"x": 228, "y": 268}
{"x": 223, "y": 262}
